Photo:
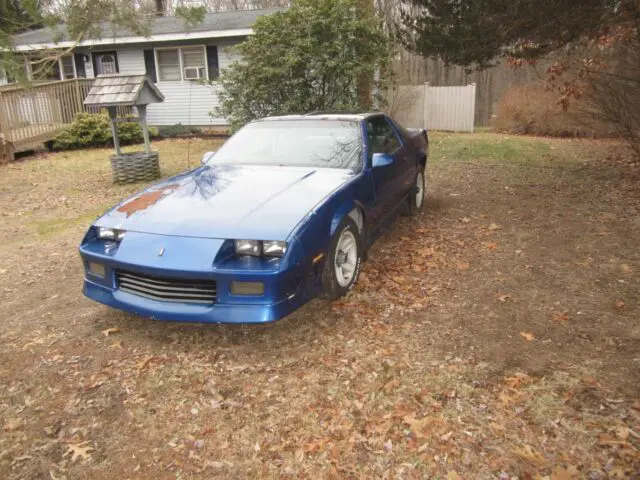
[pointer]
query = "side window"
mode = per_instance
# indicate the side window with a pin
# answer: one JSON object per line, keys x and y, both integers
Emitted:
{"x": 380, "y": 136}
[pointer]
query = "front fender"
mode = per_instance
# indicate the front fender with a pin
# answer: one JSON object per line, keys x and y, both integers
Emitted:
{"x": 345, "y": 209}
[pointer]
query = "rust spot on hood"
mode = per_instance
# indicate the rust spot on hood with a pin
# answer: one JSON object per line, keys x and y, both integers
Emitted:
{"x": 145, "y": 200}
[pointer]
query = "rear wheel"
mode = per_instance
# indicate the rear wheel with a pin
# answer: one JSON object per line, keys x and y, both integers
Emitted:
{"x": 342, "y": 266}
{"x": 416, "y": 196}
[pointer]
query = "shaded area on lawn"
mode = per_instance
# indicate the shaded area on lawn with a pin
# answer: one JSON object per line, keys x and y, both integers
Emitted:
{"x": 498, "y": 334}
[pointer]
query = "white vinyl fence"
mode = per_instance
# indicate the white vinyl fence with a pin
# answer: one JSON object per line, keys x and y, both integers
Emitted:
{"x": 434, "y": 108}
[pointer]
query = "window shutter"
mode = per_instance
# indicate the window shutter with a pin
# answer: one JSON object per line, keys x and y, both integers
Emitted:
{"x": 94, "y": 62}
{"x": 55, "y": 71}
{"x": 150, "y": 65}
{"x": 212, "y": 62}
{"x": 80, "y": 71}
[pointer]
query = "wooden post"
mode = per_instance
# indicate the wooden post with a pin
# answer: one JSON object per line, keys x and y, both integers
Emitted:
{"x": 114, "y": 129}
{"x": 79, "y": 99}
{"x": 5, "y": 128}
{"x": 142, "y": 114}
{"x": 6, "y": 148}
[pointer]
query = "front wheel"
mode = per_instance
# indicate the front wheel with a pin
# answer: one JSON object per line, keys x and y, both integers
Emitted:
{"x": 342, "y": 266}
{"x": 416, "y": 196}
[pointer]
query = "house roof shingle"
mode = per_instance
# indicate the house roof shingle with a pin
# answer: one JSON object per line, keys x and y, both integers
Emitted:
{"x": 218, "y": 22}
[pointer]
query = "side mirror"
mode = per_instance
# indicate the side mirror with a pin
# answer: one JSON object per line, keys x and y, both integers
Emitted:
{"x": 381, "y": 160}
{"x": 207, "y": 156}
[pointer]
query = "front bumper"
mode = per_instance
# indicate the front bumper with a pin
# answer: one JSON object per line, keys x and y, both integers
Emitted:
{"x": 184, "y": 312}
{"x": 193, "y": 259}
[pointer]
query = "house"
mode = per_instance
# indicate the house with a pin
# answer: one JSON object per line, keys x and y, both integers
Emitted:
{"x": 175, "y": 57}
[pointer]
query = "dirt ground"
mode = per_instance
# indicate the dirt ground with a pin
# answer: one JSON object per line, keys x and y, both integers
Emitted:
{"x": 496, "y": 336}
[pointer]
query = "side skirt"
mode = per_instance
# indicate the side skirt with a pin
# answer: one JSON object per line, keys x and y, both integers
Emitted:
{"x": 387, "y": 221}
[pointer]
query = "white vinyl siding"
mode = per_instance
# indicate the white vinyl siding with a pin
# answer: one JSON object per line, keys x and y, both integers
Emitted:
{"x": 188, "y": 103}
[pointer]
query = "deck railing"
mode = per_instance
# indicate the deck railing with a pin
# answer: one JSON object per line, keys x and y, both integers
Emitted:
{"x": 35, "y": 114}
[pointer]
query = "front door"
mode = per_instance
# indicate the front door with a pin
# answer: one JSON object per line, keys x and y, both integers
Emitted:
{"x": 381, "y": 138}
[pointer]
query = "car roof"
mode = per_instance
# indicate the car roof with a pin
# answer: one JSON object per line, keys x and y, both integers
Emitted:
{"x": 351, "y": 116}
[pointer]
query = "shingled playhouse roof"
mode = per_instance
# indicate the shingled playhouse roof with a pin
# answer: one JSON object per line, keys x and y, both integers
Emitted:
{"x": 117, "y": 90}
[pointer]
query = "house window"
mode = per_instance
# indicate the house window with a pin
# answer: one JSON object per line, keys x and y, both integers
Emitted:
{"x": 62, "y": 69}
{"x": 194, "y": 63}
{"x": 67, "y": 67}
{"x": 168, "y": 64}
{"x": 183, "y": 63}
{"x": 105, "y": 63}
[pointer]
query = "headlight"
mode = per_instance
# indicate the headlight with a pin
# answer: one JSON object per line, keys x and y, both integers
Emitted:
{"x": 110, "y": 234}
{"x": 248, "y": 247}
{"x": 274, "y": 248}
{"x": 256, "y": 248}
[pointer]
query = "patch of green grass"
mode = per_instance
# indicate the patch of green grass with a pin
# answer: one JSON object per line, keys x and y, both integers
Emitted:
{"x": 175, "y": 156}
{"x": 482, "y": 147}
{"x": 52, "y": 227}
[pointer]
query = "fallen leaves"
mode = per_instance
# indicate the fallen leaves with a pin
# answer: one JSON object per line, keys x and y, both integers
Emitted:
{"x": 561, "y": 316}
{"x": 565, "y": 473}
{"x": 426, "y": 426}
{"x": 626, "y": 268}
{"x": 239, "y": 381}
{"x": 618, "y": 305}
{"x": 528, "y": 336}
{"x": 144, "y": 363}
{"x": 108, "y": 331}
{"x": 518, "y": 380}
{"x": 530, "y": 455}
{"x": 447, "y": 436}
{"x": 79, "y": 451}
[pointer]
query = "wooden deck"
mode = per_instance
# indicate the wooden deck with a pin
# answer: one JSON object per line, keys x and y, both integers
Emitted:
{"x": 28, "y": 140}
{"x": 32, "y": 116}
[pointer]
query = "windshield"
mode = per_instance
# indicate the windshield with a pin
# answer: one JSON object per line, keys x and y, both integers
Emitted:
{"x": 295, "y": 143}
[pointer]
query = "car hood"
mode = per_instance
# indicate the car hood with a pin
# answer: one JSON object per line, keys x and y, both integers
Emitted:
{"x": 228, "y": 201}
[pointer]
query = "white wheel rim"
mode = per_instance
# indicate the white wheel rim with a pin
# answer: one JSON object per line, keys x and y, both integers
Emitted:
{"x": 419, "y": 189}
{"x": 346, "y": 258}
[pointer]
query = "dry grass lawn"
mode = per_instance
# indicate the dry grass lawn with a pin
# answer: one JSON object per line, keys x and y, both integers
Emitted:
{"x": 496, "y": 336}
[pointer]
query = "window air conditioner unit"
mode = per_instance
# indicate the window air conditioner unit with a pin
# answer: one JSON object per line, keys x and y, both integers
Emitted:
{"x": 191, "y": 73}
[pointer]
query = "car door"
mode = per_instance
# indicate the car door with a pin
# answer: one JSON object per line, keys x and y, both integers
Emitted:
{"x": 387, "y": 179}
{"x": 408, "y": 159}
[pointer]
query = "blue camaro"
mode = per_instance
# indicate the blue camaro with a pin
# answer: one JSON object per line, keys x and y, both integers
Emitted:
{"x": 285, "y": 210}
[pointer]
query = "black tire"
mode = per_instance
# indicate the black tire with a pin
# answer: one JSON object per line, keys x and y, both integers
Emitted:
{"x": 415, "y": 208}
{"x": 331, "y": 286}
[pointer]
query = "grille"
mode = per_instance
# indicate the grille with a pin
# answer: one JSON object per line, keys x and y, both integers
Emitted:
{"x": 167, "y": 289}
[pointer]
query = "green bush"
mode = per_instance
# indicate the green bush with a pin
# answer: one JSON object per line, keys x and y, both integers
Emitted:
{"x": 93, "y": 130}
{"x": 177, "y": 130}
{"x": 318, "y": 55}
